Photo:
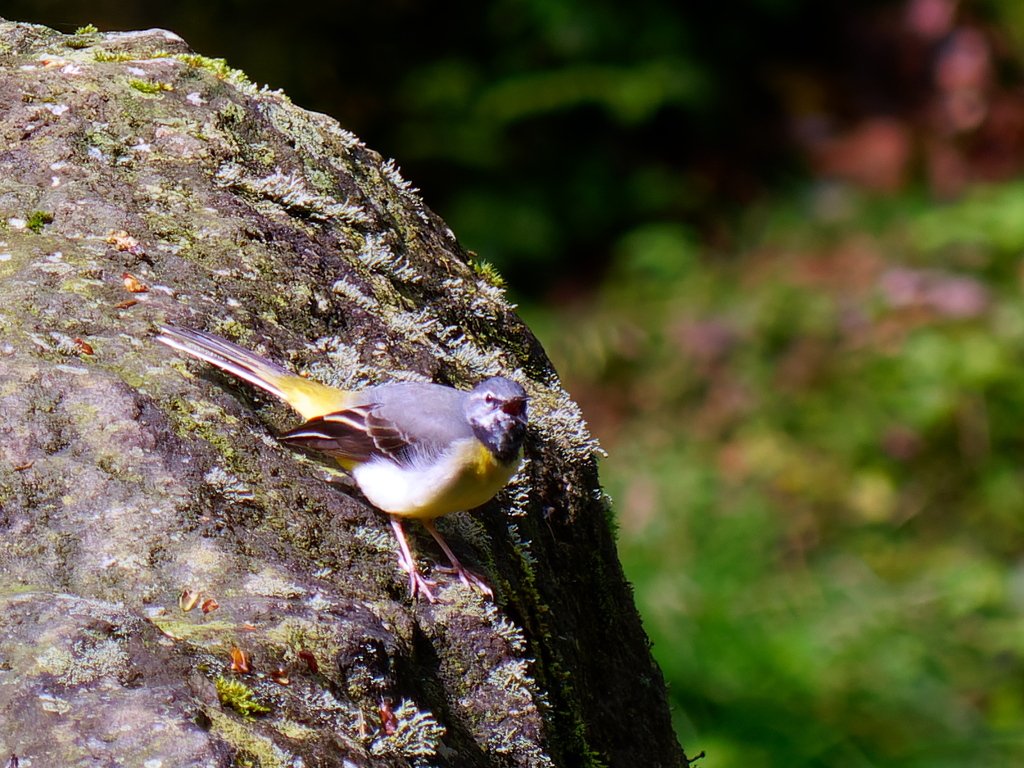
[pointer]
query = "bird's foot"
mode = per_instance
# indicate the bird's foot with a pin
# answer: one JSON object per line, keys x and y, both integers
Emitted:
{"x": 418, "y": 583}
{"x": 470, "y": 579}
{"x": 467, "y": 577}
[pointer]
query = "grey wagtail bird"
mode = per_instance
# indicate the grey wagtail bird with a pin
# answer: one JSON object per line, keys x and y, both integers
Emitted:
{"x": 415, "y": 450}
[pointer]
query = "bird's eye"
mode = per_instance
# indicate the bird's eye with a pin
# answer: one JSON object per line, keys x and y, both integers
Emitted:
{"x": 491, "y": 399}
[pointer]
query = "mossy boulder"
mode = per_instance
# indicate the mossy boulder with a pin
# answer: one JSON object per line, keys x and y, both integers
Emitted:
{"x": 177, "y": 589}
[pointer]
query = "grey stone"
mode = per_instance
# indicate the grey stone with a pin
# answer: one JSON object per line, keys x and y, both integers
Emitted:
{"x": 129, "y": 475}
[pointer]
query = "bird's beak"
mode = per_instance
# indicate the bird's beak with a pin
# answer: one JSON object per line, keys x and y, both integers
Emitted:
{"x": 515, "y": 406}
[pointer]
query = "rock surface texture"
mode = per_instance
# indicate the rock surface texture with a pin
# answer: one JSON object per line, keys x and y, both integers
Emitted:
{"x": 177, "y": 589}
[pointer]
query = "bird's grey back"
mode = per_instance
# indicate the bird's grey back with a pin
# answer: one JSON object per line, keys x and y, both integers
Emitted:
{"x": 430, "y": 415}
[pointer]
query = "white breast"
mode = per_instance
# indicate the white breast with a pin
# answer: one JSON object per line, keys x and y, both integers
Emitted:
{"x": 457, "y": 480}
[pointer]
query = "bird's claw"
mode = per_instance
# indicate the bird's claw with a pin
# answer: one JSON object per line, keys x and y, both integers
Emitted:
{"x": 418, "y": 583}
{"x": 470, "y": 579}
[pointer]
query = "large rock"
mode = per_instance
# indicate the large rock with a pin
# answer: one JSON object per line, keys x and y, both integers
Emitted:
{"x": 134, "y": 483}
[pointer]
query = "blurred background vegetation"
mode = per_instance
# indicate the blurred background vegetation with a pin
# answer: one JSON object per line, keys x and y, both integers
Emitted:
{"x": 775, "y": 249}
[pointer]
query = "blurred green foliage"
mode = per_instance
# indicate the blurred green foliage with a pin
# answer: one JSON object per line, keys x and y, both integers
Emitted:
{"x": 815, "y": 443}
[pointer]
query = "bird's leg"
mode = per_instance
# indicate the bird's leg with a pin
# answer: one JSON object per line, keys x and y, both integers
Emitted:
{"x": 418, "y": 585}
{"x": 468, "y": 578}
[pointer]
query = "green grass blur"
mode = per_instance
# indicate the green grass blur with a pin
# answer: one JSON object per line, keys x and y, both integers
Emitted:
{"x": 815, "y": 443}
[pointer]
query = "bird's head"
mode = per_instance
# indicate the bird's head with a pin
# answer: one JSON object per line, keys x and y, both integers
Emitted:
{"x": 496, "y": 409}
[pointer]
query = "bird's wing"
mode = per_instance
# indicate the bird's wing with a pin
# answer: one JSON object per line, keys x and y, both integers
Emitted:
{"x": 353, "y": 435}
{"x": 406, "y": 422}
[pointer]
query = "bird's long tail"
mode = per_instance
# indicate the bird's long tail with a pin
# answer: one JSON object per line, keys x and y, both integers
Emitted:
{"x": 309, "y": 398}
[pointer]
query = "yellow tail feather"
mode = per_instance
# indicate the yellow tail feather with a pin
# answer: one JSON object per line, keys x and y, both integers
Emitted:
{"x": 309, "y": 398}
